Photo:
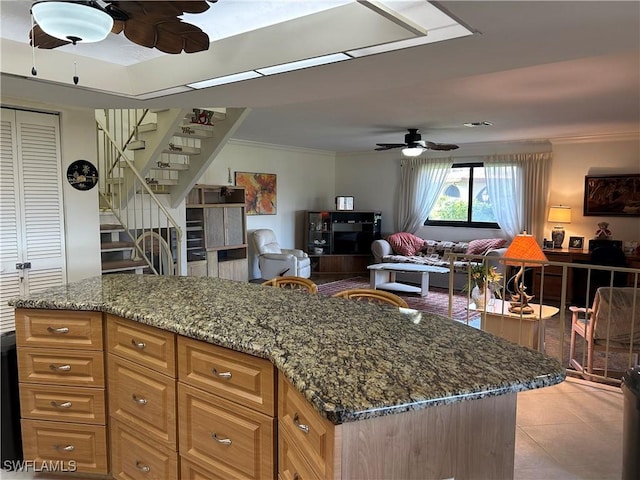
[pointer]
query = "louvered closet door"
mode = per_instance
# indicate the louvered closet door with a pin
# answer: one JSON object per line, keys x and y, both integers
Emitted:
{"x": 32, "y": 224}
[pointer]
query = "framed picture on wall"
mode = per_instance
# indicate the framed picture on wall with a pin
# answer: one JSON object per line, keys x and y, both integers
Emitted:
{"x": 612, "y": 195}
{"x": 260, "y": 192}
{"x": 576, "y": 242}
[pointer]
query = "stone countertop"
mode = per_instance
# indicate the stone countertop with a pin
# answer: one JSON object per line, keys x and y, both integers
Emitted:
{"x": 351, "y": 360}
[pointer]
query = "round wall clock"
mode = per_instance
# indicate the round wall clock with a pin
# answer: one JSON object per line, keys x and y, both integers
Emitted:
{"x": 82, "y": 175}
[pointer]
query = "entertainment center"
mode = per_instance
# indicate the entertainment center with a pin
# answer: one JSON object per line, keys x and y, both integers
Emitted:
{"x": 339, "y": 241}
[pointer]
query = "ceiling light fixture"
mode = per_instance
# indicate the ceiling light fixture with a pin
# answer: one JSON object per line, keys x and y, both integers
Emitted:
{"x": 414, "y": 149}
{"x": 74, "y": 21}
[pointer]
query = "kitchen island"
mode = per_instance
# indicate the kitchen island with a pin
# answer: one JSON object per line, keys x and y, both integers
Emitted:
{"x": 394, "y": 398}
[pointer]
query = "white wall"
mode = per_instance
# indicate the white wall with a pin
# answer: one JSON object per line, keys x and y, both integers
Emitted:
{"x": 572, "y": 160}
{"x": 82, "y": 226}
{"x": 305, "y": 181}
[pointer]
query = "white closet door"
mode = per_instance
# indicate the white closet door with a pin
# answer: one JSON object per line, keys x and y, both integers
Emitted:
{"x": 36, "y": 224}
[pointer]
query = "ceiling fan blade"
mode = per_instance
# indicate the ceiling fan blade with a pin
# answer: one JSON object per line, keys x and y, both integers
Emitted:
{"x": 386, "y": 146}
{"x": 44, "y": 40}
{"x": 441, "y": 146}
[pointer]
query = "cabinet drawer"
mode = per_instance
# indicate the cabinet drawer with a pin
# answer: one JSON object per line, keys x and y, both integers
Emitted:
{"x": 149, "y": 346}
{"x": 84, "y": 445}
{"x": 236, "y": 376}
{"x": 70, "y": 404}
{"x": 312, "y": 434}
{"x": 133, "y": 458}
{"x": 191, "y": 471}
{"x": 291, "y": 466}
{"x": 59, "y": 329}
{"x": 233, "y": 441}
{"x": 143, "y": 399}
{"x": 61, "y": 367}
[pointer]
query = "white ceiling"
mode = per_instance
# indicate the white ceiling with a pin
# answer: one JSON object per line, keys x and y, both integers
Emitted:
{"x": 536, "y": 70}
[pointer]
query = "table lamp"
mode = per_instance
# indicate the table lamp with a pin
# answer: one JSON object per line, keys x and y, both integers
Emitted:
{"x": 559, "y": 214}
{"x": 522, "y": 251}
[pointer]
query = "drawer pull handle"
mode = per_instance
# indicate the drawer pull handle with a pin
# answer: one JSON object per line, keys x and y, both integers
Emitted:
{"x": 138, "y": 345}
{"x": 225, "y": 375}
{"x": 139, "y": 400}
{"x": 60, "y": 368}
{"x": 142, "y": 467}
{"x": 301, "y": 426}
{"x": 223, "y": 441}
{"x": 61, "y": 405}
{"x": 61, "y": 330}
{"x": 67, "y": 448}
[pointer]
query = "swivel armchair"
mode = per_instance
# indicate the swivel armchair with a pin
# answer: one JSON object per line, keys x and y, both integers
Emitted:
{"x": 274, "y": 261}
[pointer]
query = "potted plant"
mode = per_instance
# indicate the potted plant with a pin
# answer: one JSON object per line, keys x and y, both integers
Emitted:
{"x": 484, "y": 283}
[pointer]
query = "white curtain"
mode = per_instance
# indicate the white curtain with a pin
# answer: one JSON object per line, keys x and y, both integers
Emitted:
{"x": 421, "y": 180}
{"x": 518, "y": 185}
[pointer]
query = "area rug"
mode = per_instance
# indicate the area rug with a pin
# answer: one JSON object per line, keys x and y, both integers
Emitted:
{"x": 436, "y": 301}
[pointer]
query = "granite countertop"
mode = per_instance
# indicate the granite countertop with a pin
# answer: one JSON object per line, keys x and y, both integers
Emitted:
{"x": 351, "y": 360}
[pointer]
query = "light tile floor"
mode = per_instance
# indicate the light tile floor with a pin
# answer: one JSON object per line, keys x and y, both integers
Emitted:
{"x": 569, "y": 431}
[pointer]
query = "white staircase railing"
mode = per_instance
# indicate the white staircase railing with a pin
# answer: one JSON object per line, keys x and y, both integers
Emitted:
{"x": 156, "y": 236}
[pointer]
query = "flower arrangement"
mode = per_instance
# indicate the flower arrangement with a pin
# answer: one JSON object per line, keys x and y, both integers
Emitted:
{"x": 484, "y": 277}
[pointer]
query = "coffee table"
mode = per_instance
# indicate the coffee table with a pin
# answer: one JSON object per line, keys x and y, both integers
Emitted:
{"x": 383, "y": 276}
{"x": 525, "y": 329}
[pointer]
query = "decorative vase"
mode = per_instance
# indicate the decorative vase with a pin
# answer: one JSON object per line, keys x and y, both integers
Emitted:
{"x": 481, "y": 295}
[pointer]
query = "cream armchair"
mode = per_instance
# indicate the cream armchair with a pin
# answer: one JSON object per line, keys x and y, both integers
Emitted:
{"x": 279, "y": 262}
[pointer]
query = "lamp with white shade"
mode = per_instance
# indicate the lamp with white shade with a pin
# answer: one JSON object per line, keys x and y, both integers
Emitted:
{"x": 559, "y": 214}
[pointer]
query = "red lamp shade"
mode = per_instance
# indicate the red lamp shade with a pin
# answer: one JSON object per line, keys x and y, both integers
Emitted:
{"x": 524, "y": 247}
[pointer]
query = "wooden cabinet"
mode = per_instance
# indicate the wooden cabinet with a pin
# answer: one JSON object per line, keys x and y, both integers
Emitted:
{"x": 227, "y": 412}
{"x": 216, "y": 231}
{"x": 62, "y": 388}
{"x": 306, "y": 439}
{"x": 340, "y": 241}
{"x": 142, "y": 400}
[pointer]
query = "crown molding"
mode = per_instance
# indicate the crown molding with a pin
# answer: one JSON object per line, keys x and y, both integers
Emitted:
{"x": 272, "y": 146}
{"x": 606, "y": 137}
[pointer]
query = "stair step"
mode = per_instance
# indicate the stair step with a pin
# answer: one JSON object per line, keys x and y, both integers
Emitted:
{"x": 160, "y": 181}
{"x": 194, "y": 130}
{"x": 136, "y": 145}
{"x": 181, "y": 150}
{"x": 168, "y": 166}
{"x": 116, "y": 246}
{"x": 147, "y": 127}
{"x": 123, "y": 265}
{"x": 110, "y": 227}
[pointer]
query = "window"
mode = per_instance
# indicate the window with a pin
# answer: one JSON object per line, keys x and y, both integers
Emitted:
{"x": 464, "y": 200}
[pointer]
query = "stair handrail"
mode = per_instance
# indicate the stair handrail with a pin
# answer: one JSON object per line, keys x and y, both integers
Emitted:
{"x": 121, "y": 155}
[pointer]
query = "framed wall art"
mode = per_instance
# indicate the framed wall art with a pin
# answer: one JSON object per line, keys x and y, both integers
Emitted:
{"x": 612, "y": 195}
{"x": 260, "y": 192}
{"x": 344, "y": 203}
{"x": 576, "y": 242}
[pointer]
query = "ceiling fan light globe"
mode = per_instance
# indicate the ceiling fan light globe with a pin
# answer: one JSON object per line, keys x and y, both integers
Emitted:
{"x": 412, "y": 151}
{"x": 67, "y": 20}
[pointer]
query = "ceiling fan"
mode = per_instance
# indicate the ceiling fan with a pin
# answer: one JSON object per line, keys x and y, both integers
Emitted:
{"x": 151, "y": 24}
{"x": 414, "y": 145}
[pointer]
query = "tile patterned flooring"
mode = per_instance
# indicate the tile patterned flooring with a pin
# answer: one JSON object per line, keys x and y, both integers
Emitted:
{"x": 568, "y": 431}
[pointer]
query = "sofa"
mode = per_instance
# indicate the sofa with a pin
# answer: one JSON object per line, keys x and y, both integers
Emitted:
{"x": 404, "y": 247}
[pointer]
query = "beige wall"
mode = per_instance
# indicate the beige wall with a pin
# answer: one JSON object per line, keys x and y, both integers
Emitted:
{"x": 305, "y": 181}
{"x": 372, "y": 179}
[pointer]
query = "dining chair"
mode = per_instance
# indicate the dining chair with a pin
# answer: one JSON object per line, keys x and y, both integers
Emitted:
{"x": 372, "y": 296}
{"x": 293, "y": 283}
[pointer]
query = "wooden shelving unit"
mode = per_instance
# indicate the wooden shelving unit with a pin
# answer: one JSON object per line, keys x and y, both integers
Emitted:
{"x": 217, "y": 232}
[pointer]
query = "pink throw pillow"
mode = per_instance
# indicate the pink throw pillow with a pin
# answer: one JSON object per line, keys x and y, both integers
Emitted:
{"x": 405, "y": 243}
{"x": 483, "y": 245}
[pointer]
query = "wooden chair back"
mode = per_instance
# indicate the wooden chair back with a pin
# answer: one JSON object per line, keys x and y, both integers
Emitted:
{"x": 293, "y": 283}
{"x": 372, "y": 296}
